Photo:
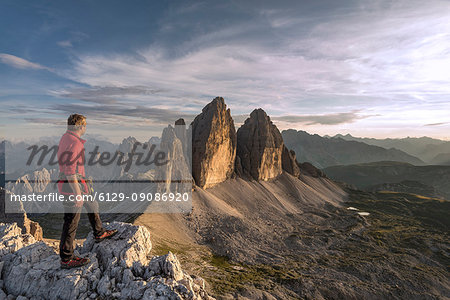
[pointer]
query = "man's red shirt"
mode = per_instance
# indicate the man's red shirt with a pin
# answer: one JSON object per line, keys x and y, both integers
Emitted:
{"x": 71, "y": 158}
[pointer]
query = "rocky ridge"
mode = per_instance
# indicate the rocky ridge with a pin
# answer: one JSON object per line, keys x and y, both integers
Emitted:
{"x": 120, "y": 268}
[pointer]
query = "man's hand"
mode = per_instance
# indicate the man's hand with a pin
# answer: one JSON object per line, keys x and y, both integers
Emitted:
{"x": 73, "y": 182}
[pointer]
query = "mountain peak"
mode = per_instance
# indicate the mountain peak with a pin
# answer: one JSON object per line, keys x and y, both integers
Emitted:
{"x": 260, "y": 146}
{"x": 213, "y": 144}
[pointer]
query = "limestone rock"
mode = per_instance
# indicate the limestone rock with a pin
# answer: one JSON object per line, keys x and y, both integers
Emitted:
{"x": 19, "y": 217}
{"x": 181, "y": 133}
{"x": 289, "y": 162}
{"x": 12, "y": 238}
{"x": 213, "y": 144}
{"x": 36, "y": 181}
{"x": 116, "y": 270}
{"x": 34, "y": 271}
{"x": 129, "y": 248}
{"x": 260, "y": 147}
{"x": 166, "y": 265}
{"x": 175, "y": 174}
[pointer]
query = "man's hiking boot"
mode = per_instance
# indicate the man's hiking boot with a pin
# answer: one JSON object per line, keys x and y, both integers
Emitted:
{"x": 75, "y": 262}
{"x": 105, "y": 235}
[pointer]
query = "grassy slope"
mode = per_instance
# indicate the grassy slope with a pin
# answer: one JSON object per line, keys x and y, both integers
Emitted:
{"x": 405, "y": 246}
{"x": 365, "y": 175}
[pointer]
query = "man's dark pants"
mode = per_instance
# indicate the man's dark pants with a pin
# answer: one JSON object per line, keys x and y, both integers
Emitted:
{"x": 71, "y": 218}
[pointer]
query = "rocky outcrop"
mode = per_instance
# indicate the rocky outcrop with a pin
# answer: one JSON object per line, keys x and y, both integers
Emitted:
{"x": 213, "y": 144}
{"x": 289, "y": 162}
{"x": 33, "y": 182}
{"x": 175, "y": 174}
{"x": 19, "y": 217}
{"x": 180, "y": 132}
{"x": 260, "y": 147}
{"x": 120, "y": 268}
{"x": 12, "y": 239}
{"x": 309, "y": 169}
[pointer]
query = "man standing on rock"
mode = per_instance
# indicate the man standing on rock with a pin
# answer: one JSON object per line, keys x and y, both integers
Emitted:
{"x": 72, "y": 184}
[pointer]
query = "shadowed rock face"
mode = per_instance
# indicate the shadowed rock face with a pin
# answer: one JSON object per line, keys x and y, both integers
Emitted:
{"x": 289, "y": 162}
{"x": 213, "y": 144}
{"x": 260, "y": 147}
{"x": 308, "y": 169}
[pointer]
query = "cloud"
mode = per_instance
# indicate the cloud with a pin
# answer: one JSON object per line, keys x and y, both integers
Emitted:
{"x": 20, "y": 63}
{"x": 239, "y": 119}
{"x": 321, "y": 64}
{"x": 325, "y": 119}
{"x": 65, "y": 44}
{"x": 47, "y": 121}
{"x": 74, "y": 37}
{"x": 437, "y": 124}
{"x": 341, "y": 60}
{"x": 105, "y": 94}
{"x": 108, "y": 113}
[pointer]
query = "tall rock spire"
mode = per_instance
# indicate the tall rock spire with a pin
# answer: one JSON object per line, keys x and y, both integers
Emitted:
{"x": 260, "y": 147}
{"x": 213, "y": 144}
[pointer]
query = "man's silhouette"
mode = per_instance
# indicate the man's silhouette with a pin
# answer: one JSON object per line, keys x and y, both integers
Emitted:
{"x": 72, "y": 184}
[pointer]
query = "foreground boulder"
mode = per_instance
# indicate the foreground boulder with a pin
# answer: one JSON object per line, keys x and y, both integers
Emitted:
{"x": 260, "y": 147}
{"x": 213, "y": 144}
{"x": 120, "y": 268}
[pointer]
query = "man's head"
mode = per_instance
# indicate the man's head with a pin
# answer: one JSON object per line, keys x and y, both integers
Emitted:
{"x": 77, "y": 124}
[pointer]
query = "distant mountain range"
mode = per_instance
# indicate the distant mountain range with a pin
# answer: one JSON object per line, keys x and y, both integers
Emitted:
{"x": 325, "y": 152}
{"x": 431, "y": 151}
{"x": 392, "y": 176}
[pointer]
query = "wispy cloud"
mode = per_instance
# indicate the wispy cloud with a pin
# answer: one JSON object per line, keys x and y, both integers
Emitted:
{"x": 65, "y": 44}
{"x": 324, "y": 119}
{"x": 347, "y": 56}
{"x": 109, "y": 113}
{"x": 105, "y": 94}
{"x": 437, "y": 124}
{"x": 74, "y": 37}
{"x": 47, "y": 121}
{"x": 20, "y": 63}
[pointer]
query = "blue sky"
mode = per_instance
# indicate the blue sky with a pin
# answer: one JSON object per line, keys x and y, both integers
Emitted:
{"x": 369, "y": 68}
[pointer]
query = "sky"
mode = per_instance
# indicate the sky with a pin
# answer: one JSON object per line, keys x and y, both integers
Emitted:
{"x": 368, "y": 68}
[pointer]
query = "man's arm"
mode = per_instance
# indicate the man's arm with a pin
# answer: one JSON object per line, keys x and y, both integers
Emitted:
{"x": 73, "y": 182}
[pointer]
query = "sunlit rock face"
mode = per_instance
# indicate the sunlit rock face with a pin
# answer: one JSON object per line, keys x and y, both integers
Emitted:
{"x": 260, "y": 147}
{"x": 213, "y": 144}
